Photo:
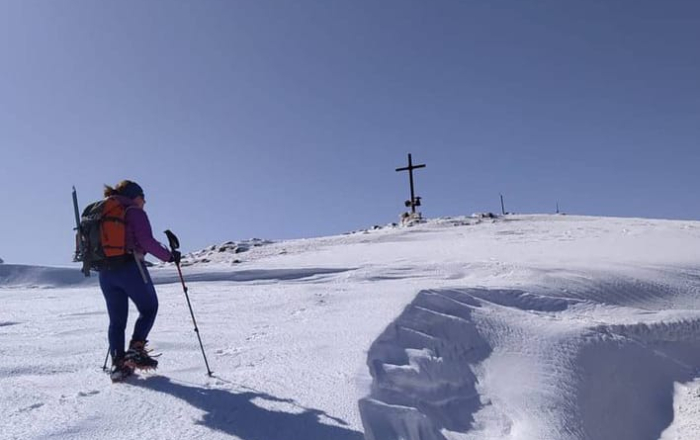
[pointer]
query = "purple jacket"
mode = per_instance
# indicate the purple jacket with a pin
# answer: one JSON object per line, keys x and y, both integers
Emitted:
{"x": 139, "y": 236}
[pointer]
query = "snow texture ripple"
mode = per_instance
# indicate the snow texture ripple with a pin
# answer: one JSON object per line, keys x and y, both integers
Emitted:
{"x": 594, "y": 361}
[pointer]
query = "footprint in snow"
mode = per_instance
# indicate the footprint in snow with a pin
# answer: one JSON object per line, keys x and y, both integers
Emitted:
{"x": 228, "y": 351}
{"x": 88, "y": 393}
{"x": 31, "y": 407}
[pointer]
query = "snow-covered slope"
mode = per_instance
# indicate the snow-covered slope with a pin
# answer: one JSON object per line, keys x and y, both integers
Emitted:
{"x": 229, "y": 252}
{"x": 528, "y": 327}
{"x": 24, "y": 276}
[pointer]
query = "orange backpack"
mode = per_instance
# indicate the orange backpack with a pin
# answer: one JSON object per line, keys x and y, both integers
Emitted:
{"x": 102, "y": 235}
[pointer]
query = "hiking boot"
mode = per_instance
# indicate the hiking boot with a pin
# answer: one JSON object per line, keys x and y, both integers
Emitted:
{"x": 120, "y": 370}
{"x": 137, "y": 356}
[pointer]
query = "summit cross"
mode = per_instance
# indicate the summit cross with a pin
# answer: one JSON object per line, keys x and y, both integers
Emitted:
{"x": 415, "y": 201}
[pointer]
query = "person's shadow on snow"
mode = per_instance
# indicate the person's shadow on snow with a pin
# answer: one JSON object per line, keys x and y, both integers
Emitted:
{"x": 237, "y": 414}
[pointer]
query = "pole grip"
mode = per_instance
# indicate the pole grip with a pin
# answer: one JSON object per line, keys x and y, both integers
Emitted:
{"x": 172, "y": 239}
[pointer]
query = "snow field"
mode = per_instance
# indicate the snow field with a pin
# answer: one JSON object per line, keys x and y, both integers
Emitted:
{"x": 528, "y": 327}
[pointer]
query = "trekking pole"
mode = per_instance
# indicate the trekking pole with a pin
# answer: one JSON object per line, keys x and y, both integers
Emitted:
{"x": 174, "y": 245}
{"x": 104, "y": 367}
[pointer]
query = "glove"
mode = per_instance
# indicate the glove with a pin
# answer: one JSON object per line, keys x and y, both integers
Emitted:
{"x": 175, "y": 257}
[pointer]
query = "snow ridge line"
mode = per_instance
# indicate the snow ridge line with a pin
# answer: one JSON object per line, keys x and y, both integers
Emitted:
{"x": 422, "y": 384}
{"x": 428, "y": 366}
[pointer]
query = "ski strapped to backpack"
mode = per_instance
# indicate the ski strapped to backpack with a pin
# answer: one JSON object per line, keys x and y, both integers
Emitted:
{"x": 101, "y": 235}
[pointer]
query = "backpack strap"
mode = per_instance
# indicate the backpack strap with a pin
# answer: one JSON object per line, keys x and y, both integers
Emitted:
{"x": 137, "y": 257}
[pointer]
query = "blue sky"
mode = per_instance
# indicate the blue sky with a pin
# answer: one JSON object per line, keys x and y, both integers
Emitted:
{"x": 284, "y": 119}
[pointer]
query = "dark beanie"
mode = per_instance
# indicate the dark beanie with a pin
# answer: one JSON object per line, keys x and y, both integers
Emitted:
{"x": 132, "y": 190}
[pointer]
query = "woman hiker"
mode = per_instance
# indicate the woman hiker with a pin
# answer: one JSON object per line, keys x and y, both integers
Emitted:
{"x": 130, "y": 280}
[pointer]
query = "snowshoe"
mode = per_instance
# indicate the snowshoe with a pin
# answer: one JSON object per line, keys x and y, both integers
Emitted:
{"x": 138, "y": 357}
{"x": 120, "y": 371}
